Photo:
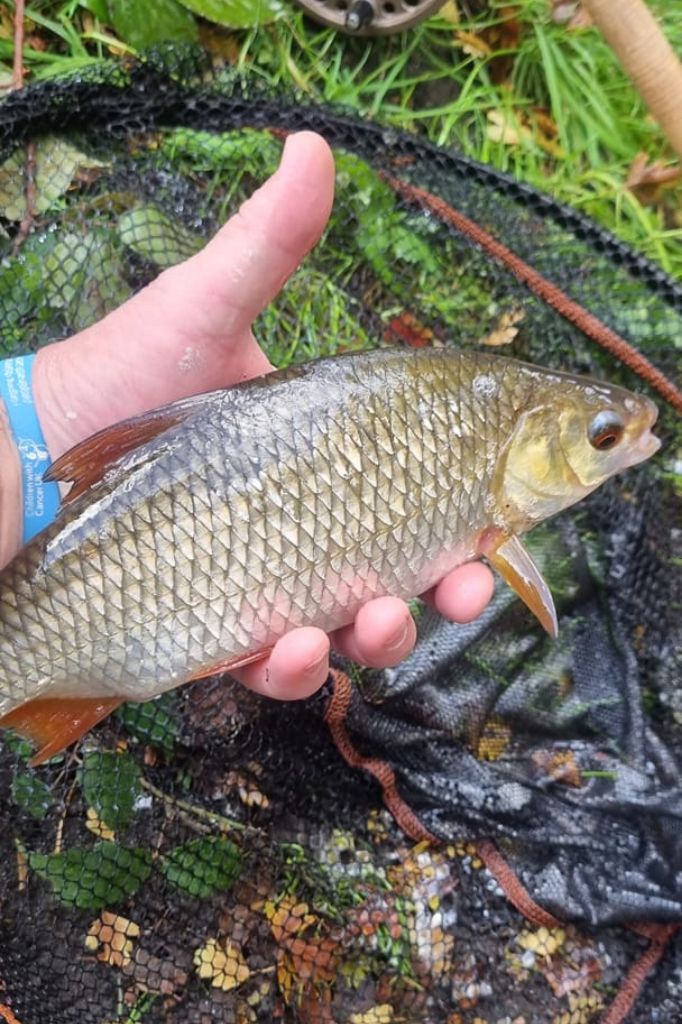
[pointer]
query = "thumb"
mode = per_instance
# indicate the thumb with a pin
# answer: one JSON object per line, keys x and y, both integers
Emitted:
{"x": 189, "y": 330}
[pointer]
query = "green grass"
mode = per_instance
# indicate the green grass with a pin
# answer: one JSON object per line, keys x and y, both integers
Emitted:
{"x": 571, "y": 75}
{"x": 425, "y": 81}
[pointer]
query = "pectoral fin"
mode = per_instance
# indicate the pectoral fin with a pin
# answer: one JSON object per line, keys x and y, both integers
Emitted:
{"x": 517, "y": 568}
{"x": 53, "y": 724}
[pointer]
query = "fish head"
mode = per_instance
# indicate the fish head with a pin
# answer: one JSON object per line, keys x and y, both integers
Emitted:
{"x": 573, "y": 435}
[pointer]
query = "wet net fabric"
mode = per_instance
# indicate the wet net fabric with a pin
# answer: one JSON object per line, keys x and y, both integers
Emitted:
{"x": 490, "y": 832}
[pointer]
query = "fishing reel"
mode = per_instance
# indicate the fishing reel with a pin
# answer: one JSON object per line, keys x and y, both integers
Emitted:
{"x": 370, "y": 17}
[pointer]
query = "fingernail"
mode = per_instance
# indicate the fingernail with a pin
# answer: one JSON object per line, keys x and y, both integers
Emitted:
{"x": 399, "y": 638}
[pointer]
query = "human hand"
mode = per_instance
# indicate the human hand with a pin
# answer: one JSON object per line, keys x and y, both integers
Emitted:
{"x": 190, "y": 331}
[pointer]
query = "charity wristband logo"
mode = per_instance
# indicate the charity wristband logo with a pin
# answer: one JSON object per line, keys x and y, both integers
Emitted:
{"x": 40, "y": 499}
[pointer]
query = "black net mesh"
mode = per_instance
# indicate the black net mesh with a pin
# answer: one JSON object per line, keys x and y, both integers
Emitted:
{"x": 213, "y": 856}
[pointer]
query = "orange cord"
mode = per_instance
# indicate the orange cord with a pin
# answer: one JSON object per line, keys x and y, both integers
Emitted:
{"x": 513, "y": 888}
{"x": 556, "y": 298}
{"x": 335, "y": 717}
{"x": 7, "y": 1015}
{"x": 633, "y": 982}
{"x": 511, "y": 885}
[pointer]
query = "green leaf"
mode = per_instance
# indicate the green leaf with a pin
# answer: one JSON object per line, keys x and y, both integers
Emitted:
{"x": 238, "y": 13}
{"x": 203, "y": 866}
{"x": 56, "y": 164}
{"x": 17, "y": 744}
{"x": 97, "y": 7}
{"x": 152, "y": 722}
{"x": 150, "y": 233}
{"x": 83, "y": 275}
{"x": 31, "y": 793}
{"x": 209, "y": 151}
{"x": 143, "y": 25}
{"x": 94, "y": 878}
{"x": 111, "y": 784}
{"x": 383, "y": 232}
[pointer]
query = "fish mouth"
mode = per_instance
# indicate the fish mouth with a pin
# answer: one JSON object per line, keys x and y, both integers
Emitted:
{"x": 647, "y": 444}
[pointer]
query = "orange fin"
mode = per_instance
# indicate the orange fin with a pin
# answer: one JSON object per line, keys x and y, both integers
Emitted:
{"x": 53, "y": 723}
{"x": 86, "y": 463}
{"x": 518, "y": 569}
{"x": 228, "y": 666}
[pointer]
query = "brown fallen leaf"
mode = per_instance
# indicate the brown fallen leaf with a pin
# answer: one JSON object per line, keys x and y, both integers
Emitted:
{"x": 220, "y": 42}
{"x": 315, "y": 1007}
{"x": 221, "y": 962}
{"x": 305, "y": 966}
{"x": 503, "y": 37}
{"x": 249, "y": 793}
{"x": 505, "y": 330}
{"x": 450, "y": 12}
{"x": 560, "y": 765}
{"x": 98, "y": 828}
{"x": 544, "y": 942}
{"x": 408, "y": 330}
{"x": 581, "y": 1009}
{"x": 546, "y": 133}
{"x": 566, "y": 976}
{"x": 113, "y": 936}
{"x": 647, "y": 180}
{"x": 493, "y": 741}
{"x": 381, "y": 1014}
{"x": 287, "y": 917}
{"x": 473, "y": 44}
{"x": 504, "y": 126}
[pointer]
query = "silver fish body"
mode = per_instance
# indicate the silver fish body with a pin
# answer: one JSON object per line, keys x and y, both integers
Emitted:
{"x": 283, "y": 502}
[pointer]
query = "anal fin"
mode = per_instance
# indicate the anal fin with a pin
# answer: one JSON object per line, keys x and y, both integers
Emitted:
{"x": 53, "y": 723}
{"x": 229, "y": 665}
{"x": 518, "y": 569}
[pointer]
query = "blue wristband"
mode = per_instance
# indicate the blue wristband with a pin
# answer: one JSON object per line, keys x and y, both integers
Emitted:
{"x": 40, "y": 499}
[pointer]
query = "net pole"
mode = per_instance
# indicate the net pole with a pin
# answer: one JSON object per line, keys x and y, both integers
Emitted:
{"x": 647, "y": 57}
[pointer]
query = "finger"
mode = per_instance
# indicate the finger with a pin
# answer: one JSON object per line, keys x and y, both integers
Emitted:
{"x": 296, "y": 668}
{"x": 382, "y": 635}
{"x": 189, "y": 331}
{"x": 464, "y": 593}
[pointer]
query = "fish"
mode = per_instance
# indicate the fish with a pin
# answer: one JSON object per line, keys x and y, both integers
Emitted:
{"x": 196, "y": 535}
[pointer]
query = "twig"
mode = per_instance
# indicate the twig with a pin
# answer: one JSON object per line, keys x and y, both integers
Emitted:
{"x": 18, "y": 63}
{"x": 17, "y": 82}
{"x": 59, "y": 831}
{"x": 22, "y": 865}
{"x": 196, "y": 812}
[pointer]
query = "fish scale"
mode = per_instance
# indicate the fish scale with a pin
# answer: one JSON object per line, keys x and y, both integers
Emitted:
{"x": 284, "y": 502}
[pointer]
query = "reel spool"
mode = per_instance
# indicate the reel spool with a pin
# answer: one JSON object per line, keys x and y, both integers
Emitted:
{"x": 370, "y": 17}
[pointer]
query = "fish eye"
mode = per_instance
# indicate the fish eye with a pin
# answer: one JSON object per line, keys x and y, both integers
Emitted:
{"x": 605, "y": 430}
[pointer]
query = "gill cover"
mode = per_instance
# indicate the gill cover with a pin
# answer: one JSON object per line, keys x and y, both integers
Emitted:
{"x": 534, "y": 479}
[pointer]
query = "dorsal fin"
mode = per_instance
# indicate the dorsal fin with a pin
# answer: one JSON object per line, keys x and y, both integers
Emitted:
{"x": 86, "y": 463}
